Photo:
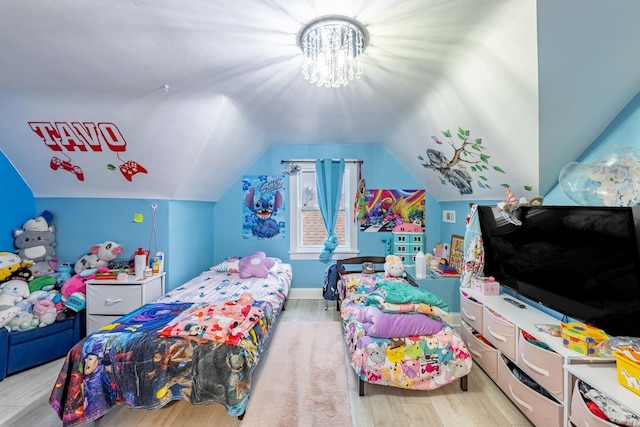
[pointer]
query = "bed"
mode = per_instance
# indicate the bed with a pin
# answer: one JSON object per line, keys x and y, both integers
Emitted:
{"x": 152, "y": 356}
{"x": 393, "y": 330}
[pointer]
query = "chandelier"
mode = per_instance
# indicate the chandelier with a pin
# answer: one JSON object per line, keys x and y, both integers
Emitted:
{"x": 332, "y": 47}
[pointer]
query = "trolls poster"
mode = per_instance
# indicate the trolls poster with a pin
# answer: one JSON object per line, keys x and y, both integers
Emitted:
{"x": 384, "y": 209}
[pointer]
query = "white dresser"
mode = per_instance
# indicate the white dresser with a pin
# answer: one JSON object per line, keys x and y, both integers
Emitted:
{"x": 492, "y": 330}
{"x": 107, "y": 300}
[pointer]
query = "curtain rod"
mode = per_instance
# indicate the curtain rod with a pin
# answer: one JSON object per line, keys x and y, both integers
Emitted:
{"x": 313, "y": 160}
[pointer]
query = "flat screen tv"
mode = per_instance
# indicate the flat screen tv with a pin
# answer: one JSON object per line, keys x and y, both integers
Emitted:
{"x": 582, "y": 262}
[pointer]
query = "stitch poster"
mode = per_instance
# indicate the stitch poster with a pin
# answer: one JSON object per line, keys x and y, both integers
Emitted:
{"x": 263, "y": 208}
{"x": 387, "y": 208}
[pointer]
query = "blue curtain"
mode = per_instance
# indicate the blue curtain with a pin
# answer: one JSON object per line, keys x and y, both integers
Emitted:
{"x": 329, "y": 186}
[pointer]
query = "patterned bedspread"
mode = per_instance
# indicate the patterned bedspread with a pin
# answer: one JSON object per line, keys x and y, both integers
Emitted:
{"x": 127, "y": 363}
{"x": 404, "y": 360}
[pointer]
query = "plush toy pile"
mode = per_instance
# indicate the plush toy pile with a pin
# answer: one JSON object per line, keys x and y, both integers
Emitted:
{"x": 35, "y": 288}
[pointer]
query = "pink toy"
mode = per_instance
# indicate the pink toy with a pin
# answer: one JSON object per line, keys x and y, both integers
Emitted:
{"x": 77, "y": 283}
{"x": 45, "y": 311}
{"x": 256, "y": 265}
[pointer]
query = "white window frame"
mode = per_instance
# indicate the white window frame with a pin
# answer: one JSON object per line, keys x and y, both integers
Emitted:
{"x": 298, "y": 251}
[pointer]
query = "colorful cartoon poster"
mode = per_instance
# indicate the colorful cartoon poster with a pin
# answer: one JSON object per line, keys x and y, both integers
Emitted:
{"x": 263, "y": 208}
{"x": 384, "y": 209}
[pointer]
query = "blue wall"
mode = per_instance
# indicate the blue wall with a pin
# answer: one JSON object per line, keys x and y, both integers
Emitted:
{"x": 190, "y": 240}
{"x": 380, "y": 170}
{"x": 184, "y": 230}
{"x": 18, "y": 204}
{"x": 624, "y": 130}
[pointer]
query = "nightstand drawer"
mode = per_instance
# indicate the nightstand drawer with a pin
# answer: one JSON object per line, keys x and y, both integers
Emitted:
{"x": 113, "y": 299}
{"x": 95, "y": 322}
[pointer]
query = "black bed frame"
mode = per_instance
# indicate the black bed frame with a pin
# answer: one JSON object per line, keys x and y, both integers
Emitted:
{"x": 348, "y": 265}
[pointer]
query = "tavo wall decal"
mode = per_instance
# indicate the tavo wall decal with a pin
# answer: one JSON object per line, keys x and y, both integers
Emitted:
{"x": 67, "y": 137}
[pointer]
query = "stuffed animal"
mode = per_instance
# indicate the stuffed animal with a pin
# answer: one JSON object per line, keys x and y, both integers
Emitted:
{"x": 35, "y": 240}
{"x": 394, "y": 266}
{"x": 98, "y": 256}
{"x": 23, "y": 321}
{"x": 45, "y": 311}
{"x": 7, "y": 313}
{"x": 255, "y": 265}
{"x": 13, "y": 291}
{"x": 44, "y": 268}
{"x": 76, "y": 284}
{"x": 9, "y": 262}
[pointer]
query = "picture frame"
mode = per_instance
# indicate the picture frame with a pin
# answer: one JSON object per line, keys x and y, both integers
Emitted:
{"x": 456, "y": 257}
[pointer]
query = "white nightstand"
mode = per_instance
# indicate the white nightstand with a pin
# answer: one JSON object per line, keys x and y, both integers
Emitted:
{"x": 107, "y": 300}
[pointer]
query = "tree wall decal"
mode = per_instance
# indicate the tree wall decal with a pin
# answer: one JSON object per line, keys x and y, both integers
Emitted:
{"x": 468, "y": 160}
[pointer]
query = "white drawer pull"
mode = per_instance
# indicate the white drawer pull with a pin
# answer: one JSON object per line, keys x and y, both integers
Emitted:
{"x": 474, "y": 352}
{"x": 110, "y": 301}
{"x": 534, "y": 367}
{"x": 471, "y": 317}
{"x": 520, "y": 401}
{"x": 496, "y": 336}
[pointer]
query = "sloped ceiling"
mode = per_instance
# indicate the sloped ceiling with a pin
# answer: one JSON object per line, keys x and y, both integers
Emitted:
{"x": 194, "y": 91}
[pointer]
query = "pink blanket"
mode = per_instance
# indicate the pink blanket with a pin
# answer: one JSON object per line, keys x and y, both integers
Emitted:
{"x": 225, "y": 322}
{"x": 378, "y": 324}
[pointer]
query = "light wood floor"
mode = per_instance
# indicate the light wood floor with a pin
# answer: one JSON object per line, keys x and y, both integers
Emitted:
{"x": 24, "y": 398}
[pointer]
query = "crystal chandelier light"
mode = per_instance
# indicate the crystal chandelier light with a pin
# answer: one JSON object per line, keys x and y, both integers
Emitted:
{"x": 332, "y": 47}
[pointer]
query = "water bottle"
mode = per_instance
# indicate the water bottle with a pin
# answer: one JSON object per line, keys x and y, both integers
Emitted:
{"x": 140, "y": 261}
{"x": 421, "y": 265}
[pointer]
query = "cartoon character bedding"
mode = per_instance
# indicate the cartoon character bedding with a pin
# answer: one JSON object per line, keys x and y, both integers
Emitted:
{"x": 396, "y": 337}
{"x": 200, "y": 342}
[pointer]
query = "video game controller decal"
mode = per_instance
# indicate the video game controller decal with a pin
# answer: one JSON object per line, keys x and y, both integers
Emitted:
{"x": 130, "y": 168}
{"x": 57, "y": 163}
{"x": 66, "y": 137}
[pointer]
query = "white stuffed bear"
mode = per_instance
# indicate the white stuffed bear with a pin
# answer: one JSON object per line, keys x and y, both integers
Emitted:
{"x": 393, "y": 266}
{"x": 13, "y": 291}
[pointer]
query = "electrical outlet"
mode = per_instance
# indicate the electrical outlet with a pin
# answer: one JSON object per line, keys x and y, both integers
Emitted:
{"x": 448, "y": 216}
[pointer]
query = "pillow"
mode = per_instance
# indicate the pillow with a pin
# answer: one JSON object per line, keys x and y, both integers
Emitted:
{"x": 255, "y": 265}
{"x": 230, "y": 265}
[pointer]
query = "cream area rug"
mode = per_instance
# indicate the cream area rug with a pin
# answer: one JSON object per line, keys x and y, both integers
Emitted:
{"x": 302, "y": 381}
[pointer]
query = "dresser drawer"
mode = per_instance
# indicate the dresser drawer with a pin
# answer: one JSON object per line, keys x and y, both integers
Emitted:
{"x": 113, "y": 299}
{"x": 500, "y": 332}
{"x": 95, "y": 322}
{"x": 580, "y": 415}
{"x": 482, "y": 353}
{"x": 544, "y": 366}
{"x": 541, "y": 410}
{"x": 471, "y": 312}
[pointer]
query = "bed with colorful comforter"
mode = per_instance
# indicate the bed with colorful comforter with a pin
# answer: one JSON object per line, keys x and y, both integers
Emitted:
{"x": 200, "y": 342}
{"x": 394, "y": 331}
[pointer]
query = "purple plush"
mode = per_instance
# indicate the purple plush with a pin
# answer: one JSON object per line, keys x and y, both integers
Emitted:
{"x": 379, "y": 324}
{"x": 256, "y": 265}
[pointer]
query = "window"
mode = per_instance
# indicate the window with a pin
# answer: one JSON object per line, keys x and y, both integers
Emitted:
{"x": 307, "y": 229}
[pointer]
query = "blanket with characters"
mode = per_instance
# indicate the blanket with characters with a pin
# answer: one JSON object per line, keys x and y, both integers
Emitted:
{"x": 131, "y": 362}
{"x": 395, "y": 336}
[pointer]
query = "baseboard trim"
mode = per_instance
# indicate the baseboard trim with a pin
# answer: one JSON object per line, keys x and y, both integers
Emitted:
{"x": 452, "y": 319}
{"x": 305, "y": 293}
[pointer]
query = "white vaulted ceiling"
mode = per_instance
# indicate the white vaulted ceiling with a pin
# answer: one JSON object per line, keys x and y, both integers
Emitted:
{"x": 537, "y": 81}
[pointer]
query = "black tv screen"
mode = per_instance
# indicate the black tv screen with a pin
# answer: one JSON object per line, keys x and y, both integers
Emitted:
{"x": 582, "y": 262}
